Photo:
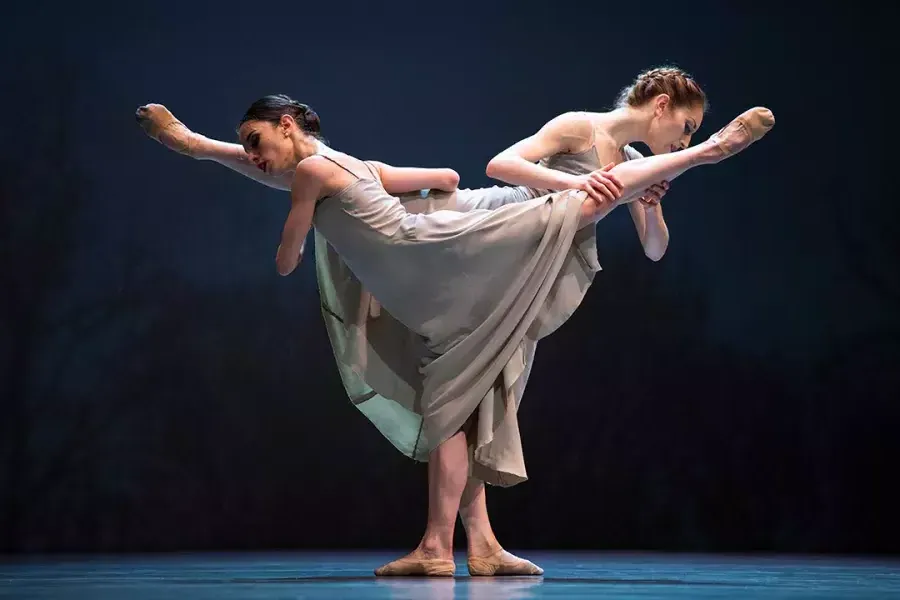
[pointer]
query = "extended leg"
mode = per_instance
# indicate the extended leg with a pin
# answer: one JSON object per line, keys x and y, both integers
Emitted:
{"x": 637, "y": 175}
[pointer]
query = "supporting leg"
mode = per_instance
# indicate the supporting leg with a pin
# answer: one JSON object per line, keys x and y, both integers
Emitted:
{"x": 486, "y": 556}
{"x": 447, "y": 474}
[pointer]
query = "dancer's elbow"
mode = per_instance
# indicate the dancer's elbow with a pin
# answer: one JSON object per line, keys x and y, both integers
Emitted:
{"x": 496, "y": 167}
{"x": 451, "y": 180}
{"x": 654, "y": 252}
{"x": 285, "y": 265}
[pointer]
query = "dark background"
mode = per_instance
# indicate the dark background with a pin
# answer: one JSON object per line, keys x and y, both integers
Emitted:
{"x": 163, "y": 388}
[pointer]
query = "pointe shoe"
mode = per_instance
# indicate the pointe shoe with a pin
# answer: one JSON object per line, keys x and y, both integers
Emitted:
{"x": 417, "y": 567}
{"x": 161, "y": 125}
{"x": 748, "y": 127}
{"x": 502, "y": 563}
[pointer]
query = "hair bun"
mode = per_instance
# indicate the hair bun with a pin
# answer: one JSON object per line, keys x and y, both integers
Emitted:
{"x": 311, "y": 119}
{"x": 273, "y": 107}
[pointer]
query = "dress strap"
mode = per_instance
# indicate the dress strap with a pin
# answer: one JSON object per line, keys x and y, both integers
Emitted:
{"x": 372, "y": 170}
{"x": 338, "y": 163}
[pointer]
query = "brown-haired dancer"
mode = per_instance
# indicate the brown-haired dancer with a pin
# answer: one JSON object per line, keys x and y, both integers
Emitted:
{"x": 434, "y": 303}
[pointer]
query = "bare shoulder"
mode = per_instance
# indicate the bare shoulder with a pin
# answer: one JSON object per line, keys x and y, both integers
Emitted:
{"x": 314, "y": 166}
{"x": 574, "y": 123}
{"x": 319, "y": 172}
{"x": 569, "y": 132}
{"x": 312, "y": 179}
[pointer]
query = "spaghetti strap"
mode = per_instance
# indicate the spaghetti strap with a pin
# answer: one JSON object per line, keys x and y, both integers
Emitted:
{"x": 372, "y": 170}
{"x": 373, "y": 175}
{"x": 328, "y": 158}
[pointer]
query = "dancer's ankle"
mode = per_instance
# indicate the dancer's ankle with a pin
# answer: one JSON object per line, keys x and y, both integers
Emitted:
{"x": 436, "y": 545}
{"x": 481, "y": 541}
{"x": 706, "y": 153}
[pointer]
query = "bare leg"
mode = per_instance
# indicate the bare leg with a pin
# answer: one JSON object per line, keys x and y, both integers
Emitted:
{"x": 162, "y": 126}
{"x": 447, "y": 473}
{"x": 486, "y": 556}
{"x": 637, "y": 175}
{"x": 474, "y": 516}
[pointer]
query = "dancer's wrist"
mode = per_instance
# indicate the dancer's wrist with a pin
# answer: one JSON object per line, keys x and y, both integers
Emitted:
{"x": 565, "y": 181}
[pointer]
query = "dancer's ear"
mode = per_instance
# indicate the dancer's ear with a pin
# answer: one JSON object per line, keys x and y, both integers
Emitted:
{"x": 661, "y": 103}
{"x": 285, "y": 124}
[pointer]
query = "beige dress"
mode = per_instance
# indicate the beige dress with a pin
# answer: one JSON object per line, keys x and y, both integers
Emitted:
{"x": 421, "y": 375}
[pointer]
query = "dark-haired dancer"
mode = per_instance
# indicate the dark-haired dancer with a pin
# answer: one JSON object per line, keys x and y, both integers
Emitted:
{"x": 426, "y": 269}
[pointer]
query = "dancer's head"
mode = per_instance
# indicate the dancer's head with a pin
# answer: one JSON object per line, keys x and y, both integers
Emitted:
{"x": 674, "y": 104}
{"x": 278, "y": 132}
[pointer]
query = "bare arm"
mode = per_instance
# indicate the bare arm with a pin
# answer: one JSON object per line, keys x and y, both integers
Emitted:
{"x": 648, "y": 217}
{"x": 305, "y": 191}
{"x": 160, "y": 124}
{"x": 567, "y": 133}
{"x": 651, "y": 229}
{"x": 400, "y": 180}
{"x": 233, "y": 157}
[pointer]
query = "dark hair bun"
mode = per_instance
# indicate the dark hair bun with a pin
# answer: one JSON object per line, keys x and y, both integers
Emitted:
{"x": 311, "y": 121}
{"x": 272, "y": 108}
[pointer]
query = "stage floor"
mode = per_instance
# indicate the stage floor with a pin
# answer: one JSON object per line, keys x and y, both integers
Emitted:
{"x": 349, "y": 575}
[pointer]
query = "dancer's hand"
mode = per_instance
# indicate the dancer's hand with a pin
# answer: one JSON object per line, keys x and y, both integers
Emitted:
{"x": 653, "y": 194}
{"x": 603, "y": 187}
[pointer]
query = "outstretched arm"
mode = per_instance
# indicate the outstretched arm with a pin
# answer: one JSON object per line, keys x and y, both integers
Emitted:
{"x": 233, "y": 156}
{"x": 400, "y": 180}
{"x": 161, "y": 125}
{"x": 305, "y": 190}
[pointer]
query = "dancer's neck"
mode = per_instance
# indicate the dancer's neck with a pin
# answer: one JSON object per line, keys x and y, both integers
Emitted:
{"x": 626, "y": 125}
{"x": 322, "y": 148}
{"x": 306, "y": 146}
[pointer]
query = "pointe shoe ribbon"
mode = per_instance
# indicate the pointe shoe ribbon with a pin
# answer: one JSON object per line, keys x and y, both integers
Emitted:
{"x": 502, "y": 563}
{"x": 422, "y": 567}
{"x": 160, "y": 124}
{"x": 748, "y": 127}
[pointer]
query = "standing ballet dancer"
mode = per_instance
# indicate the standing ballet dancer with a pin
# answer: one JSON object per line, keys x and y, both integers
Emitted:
{"x": 450, "y": 394}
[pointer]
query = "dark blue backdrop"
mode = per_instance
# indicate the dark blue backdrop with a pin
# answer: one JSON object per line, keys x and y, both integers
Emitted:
{"x": 163, "y": 388}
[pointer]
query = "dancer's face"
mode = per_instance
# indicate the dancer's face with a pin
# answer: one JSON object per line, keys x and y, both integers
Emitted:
{"x": 270, "y": 146}
{"x": 672, "y": 128}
